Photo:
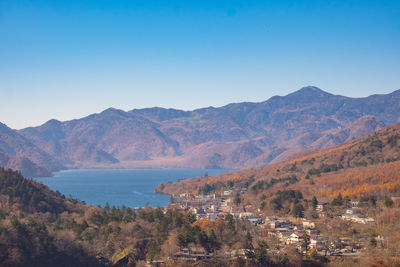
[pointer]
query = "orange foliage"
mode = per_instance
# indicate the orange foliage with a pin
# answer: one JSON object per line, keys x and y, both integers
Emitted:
{"x": 379, "y": 179}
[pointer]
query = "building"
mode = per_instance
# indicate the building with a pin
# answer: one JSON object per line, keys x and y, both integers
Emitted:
{"x": 321, "y": 206}
{"x": 295, "y": 238}
{"x": 354, "y": 216}
{"x": 307, "y": 224}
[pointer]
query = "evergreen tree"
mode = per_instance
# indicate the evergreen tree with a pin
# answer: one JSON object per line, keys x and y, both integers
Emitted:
{"x": 261, "y": 255}
{"x": 388, "y": 202}
{"x": 248, "y": 246}
{"x": 314, "y": 203}
{"x": 305, "y": 244}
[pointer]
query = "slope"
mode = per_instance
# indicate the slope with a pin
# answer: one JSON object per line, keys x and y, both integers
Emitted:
{"x": 19, "y": 153}
{"x": 369, "y": 165}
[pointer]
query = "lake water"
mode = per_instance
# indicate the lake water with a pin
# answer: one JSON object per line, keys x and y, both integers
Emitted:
{"x": 132, "y": 188}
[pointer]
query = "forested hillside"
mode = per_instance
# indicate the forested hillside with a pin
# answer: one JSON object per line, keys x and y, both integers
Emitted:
{"x": 39, "y": 227}
{"x": 369, "y": 165}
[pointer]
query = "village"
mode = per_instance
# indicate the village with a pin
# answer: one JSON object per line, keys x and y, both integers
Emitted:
{"x": 281, "y": 232}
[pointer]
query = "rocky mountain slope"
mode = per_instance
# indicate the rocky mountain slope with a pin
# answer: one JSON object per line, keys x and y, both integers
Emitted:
{"x": 233, "y": 136}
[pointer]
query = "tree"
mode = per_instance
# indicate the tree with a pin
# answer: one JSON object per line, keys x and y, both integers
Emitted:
{"x": 305, "y": 244}
{"x": 338, "y": 201}
{"x": 186, "y": 236}
{"x": 262, "y": 206}
{"x": 230, "y": 221}
{"x": 248, "y": 246}
{"x": 314, "y": 203}
{"x": 237, "y": 199}
{"x": 298, "y": 210}
{"x": 212, "y": 240}
{"x": 261, "y": 255}
{"x": 373, "y": 242}
{"x": 190, "y": 217}
{"x": 388, "y": 202}
{"x": 203, "y": 239}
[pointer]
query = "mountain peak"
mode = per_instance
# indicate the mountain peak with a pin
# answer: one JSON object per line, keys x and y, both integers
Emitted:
{"x": 311, "y": 90}
{"x": 308, "y": 94}
{"x": 53, "y": 122}
{"x": 113, "y": 111}
{"x": 5, "y": 128}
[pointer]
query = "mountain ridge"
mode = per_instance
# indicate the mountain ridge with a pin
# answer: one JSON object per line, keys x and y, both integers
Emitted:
{"x": 234, "y": 136}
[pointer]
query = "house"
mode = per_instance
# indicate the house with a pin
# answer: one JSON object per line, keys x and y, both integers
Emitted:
{"x": 198, "y": 211}
{"x": 312, "y": 231}
{"x": 354, "y": 216}
{"x": 245, "y": 214}
{"x": 298, "y": 227}
{"x": 248, "y": 207}
{"x": 227, "y": 192}
{"x": 193, "y": 254}
{"x": 295, "y": 238}
{"x": 255, "y": 219}
{"x": 354, "y": 203}
{"x": 307, "y": 224}
{"x": 280, "y": 224}
{"x": 155, "y": 263}
{"x": 284, "y": 236}
{"x": 321, "y": 206}
{"x": 396, "y": 200}
{"x": 212, "y": 216}
{"x": 319, "y": 242}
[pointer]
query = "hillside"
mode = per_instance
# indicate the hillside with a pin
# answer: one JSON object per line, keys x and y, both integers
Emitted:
{"x": 40, "y": 227}
{"x": 369, "y": 165}
{"x": 19, "y": 153}
{"x": 24, "y": 165}
{"x": 233, "y": 136}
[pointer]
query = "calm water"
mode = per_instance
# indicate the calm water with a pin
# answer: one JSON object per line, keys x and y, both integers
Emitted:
{"x": 132, "y": 188}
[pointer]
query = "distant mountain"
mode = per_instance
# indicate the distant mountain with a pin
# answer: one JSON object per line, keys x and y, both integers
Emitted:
{"x": 360, "y": 127}
{"x": 24, "y": 165}
{"x": 16, "y": 152}
{"x": 233, "y": 136}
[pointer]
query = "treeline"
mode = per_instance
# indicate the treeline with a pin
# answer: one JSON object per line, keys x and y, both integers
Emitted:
{"x": 31, "y": 195}
{"x": 288, "y": 201}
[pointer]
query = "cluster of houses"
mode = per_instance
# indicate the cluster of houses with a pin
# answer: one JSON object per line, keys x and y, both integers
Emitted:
{"x": 287, "y": 232}
{"x": 295, "y": 233}
{"x": 213, "y": 207}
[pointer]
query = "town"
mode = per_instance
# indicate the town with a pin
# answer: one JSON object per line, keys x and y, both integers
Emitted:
{"x": 279, "y": 232}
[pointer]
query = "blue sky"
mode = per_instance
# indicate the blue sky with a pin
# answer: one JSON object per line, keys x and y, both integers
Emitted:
{"x": 68, "y": 59}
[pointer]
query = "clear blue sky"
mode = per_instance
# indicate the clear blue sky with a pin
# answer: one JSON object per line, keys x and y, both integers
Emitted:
{"x": 68, "y": 59}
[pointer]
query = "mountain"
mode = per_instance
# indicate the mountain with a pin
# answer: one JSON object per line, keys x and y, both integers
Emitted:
{"x": 360, "y": 127}
{"x": 368, "y": 166}
{"x": 16, "y": 152}
{"x": 234, "y": 136}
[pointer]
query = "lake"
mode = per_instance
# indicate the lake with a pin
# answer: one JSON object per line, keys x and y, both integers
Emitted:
{"x": 132, "y": 188}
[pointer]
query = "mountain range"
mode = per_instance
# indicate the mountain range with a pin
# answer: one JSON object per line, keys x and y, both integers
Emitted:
{"x": 234, "y": 136}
